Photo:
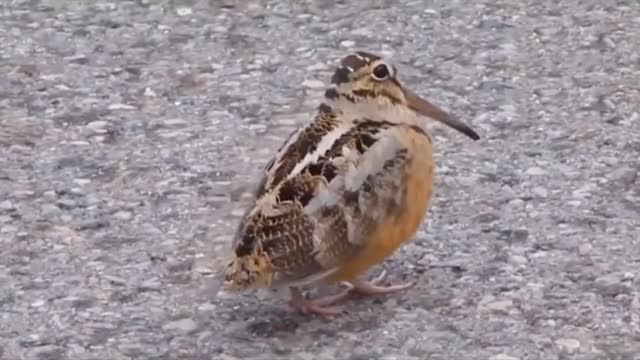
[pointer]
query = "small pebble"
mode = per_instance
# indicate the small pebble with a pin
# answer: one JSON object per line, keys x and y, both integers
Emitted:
{"x": 347, "y": 43}
{"x": 313, "y": 84}
{"x": 82, "y": 181}
{"x": 171, "y": 134}
{"x": 38, "y": 303}
{"x": 610, "y": 285}
{"x": 150, "y": 285}
{"x": 317, "y": 67}
{"x": 66, "y": 204}
{"x": 503, "y": 357}
{"x": 115, "y": 280}
{"x": 207, "y": 307}
{"x": 516, "y": 202}
{"x": 184, "y": 11}
{"x": 77, "y": 191}
{"x": 584, "y": 249}
{"x": 148, "y": 92}
{"x": 9, "y": 229}
{"x": 120, "y": 107}
{"x": 123, "y": 215}
{"x": 45, "y": 352}
{"x": 568, "y": 345}
{"x": 583, "y": 192}
{"x": 624, "y": 174}
{"x": 49, "y": 210}
{"x": 238, "y": 212}
{"x": 98, "y": 126}
{"x": 518, "y": 259}
{"x": 500, "y": 305}
{"x": 22, "y": 194}
{"x": 185, "y": 325}
{"x": 540, "y": 191}
{"x": 635, "y": 303}
{"x": 6, "y": 205}
{"x": 176, "y": 122}
{"x": 535, "y": 171}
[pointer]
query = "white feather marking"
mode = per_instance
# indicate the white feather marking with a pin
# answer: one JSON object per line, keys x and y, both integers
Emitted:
{"x": 356, "y": 169}
{"x": 360, "y": 57}
{"x": 349, "y": 68}
{"x": 350, "y": 155}
{"x": 284, "y": 147}
{"x": 325, "y": 144}
{"x": 373, "y": 160}
{"x": 267, "y": 205}
{"x": 324, "y": 197}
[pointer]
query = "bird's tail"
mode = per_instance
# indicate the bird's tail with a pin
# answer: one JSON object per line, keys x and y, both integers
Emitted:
{"x": 248, "y": 272}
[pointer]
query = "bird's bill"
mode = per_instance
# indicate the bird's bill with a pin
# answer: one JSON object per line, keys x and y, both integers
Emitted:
{"x": 423, "y": 107}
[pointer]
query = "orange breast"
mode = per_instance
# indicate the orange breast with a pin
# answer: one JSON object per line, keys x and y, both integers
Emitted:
{"x": 392, "y": 233}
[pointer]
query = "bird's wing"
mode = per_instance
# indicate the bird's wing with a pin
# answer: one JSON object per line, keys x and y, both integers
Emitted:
{"x": 303, "y": 145}
{"x": 316, "y": 208}
{"x": 373, "y": 166}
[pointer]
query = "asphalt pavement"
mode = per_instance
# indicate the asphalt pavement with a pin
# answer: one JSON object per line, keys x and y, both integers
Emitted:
{"x": 132, "y": 133}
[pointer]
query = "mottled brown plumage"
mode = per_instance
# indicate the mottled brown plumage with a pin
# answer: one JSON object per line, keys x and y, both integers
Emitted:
{"x": 344, "y": 191}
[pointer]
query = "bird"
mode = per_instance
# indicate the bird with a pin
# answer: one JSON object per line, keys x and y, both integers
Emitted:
{"x": 343, "y": 192}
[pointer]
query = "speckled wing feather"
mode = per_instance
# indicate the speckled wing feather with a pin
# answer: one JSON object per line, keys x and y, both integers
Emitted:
{"x": 300, "y": 144}
{"x": 316, "y": 207}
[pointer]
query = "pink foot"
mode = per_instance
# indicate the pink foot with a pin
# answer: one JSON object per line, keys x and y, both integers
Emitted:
{"x": 372, "y": 287}
{"x": 319, "y": 307}
{"x": 325, "y": 305}
{"x": 363, "y": 288}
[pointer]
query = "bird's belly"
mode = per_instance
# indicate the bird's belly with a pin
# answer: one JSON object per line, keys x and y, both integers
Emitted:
{"x": 390, "y": 234}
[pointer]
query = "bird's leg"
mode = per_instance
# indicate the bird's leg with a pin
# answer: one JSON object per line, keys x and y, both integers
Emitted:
{"x": 334, "y": 299}
{"x": 372, "y": 287}
{"x": 319, "y": 307}
{"x": 363, "y": 288}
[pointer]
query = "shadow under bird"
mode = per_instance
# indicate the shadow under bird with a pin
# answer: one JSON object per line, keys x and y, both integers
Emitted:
{"x": 343, "y": 192}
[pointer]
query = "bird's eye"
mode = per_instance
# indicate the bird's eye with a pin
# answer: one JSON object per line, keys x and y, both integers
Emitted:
{"x": 381, "y": 72}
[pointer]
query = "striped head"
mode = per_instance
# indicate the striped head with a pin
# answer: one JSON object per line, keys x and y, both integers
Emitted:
{"x": 367, "y": 85}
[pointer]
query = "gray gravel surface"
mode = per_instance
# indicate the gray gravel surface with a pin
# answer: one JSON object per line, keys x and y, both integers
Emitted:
{"x": 131, "y": 133}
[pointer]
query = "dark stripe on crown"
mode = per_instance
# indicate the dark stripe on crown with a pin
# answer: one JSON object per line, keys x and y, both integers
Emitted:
{"x": 359, "y": 60}
{"x": 368, "y": 55}
{"x": 352, "y": 63}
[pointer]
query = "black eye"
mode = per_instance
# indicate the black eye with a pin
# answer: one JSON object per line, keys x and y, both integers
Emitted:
{"x": 381, "y": 72}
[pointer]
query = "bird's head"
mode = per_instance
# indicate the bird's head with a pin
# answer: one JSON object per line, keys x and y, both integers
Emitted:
{"x": 366, "y": 84}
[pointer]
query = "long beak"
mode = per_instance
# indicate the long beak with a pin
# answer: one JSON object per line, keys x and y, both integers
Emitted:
{"x": 423, "y": 107}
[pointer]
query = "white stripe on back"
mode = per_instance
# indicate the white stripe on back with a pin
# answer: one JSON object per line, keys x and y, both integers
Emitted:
{"x": 325, "y": 144}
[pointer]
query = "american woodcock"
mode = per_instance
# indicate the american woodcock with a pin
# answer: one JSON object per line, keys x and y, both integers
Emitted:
{"x": 343, "y": 192}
